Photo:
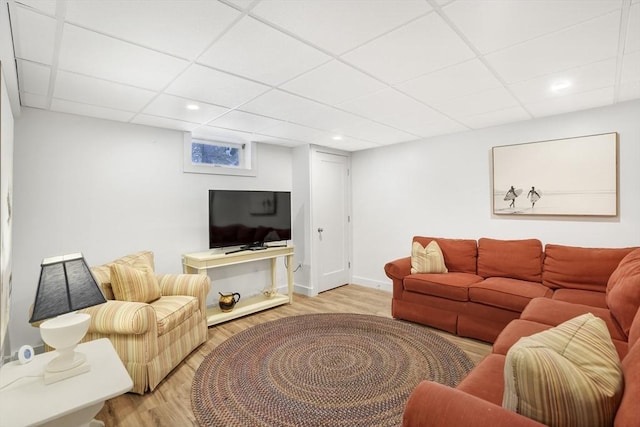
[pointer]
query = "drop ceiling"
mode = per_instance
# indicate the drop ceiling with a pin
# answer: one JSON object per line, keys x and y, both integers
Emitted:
{"x": 348, "y": 74}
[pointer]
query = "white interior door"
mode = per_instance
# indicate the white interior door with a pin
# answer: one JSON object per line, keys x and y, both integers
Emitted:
{"x": 330, "y": 195}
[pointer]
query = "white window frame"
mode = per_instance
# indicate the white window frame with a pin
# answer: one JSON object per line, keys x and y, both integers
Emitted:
{"x": 248, "y": 166}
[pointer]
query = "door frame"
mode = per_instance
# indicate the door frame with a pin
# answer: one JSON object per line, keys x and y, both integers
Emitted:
{"x": 315, "y": 252}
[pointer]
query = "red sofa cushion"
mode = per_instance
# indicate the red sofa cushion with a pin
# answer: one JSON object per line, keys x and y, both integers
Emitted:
{"x": 453, "y": 286}
{"x": 623, "y": 290}
{"x": 580, "y": 268}
{"x": 510, "y": 294}
{"x": 517, "y": 259}
{"x": 579, "y": 296}
{"x": 553, "y": 312}
{"x": 460, "y": 255}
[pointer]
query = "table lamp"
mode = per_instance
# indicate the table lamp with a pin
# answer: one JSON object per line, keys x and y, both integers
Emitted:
{"x": 66, "y": 285}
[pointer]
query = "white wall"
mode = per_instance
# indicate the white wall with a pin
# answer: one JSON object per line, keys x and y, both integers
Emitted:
{"x": 108, "y": 189}
{"x": 442, "y": 187}
{"x": 6, "y": 214}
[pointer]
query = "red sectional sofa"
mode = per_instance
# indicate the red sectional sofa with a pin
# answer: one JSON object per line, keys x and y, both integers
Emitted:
{"x": 572, "y": 281}
{"x": 490, "y": 282}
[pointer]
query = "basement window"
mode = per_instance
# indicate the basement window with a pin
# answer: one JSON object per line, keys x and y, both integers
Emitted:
{"x": 218, "y": 157}
{"x": 217, "y": 153}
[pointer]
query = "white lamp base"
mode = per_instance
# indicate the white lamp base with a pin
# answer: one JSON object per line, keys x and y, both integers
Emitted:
{"x": 63, "y": 333}
{"x": 51, "y": 377}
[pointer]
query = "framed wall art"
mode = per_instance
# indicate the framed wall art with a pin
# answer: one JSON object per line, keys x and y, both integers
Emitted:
{"x": 573, "y": 176}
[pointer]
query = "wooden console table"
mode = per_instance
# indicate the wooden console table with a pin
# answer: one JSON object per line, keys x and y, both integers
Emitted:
{"x": 200, "y": 262}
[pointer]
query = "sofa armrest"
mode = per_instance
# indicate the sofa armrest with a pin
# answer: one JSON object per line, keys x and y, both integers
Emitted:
{"x": 398, "y": 268}
{"x": 196, "y": 285}
{"x": 433, "y": 404}
{"x": 121, "y": 317}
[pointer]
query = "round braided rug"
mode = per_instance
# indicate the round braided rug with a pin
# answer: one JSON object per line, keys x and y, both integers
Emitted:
{"x": 321, "y": 370}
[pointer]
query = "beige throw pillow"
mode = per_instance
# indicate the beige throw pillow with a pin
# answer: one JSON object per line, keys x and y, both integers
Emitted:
{"x": 569, "y": 375}
{"x": 427, "y": 260}
{"x": 136, "y": 283}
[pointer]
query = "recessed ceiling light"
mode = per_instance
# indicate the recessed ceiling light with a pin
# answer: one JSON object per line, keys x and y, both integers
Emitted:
{"x": 560, "y": 85}
{"x": 337, "y": 137}
{"x": 193, "y": 107}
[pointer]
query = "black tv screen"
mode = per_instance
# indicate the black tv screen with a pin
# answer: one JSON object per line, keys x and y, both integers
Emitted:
{"x": 248, "y": 218}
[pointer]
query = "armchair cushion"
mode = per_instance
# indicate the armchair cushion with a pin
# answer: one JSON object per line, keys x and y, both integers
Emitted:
{"x": 137, "y": 283}
{"x": 171, "y": 311}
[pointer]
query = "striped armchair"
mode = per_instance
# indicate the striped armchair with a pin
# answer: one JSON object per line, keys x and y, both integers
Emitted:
{"x": 151, "y": 338}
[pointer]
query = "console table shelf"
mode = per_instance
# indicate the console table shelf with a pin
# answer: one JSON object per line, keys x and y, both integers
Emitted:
{"x": 201, "y": 262}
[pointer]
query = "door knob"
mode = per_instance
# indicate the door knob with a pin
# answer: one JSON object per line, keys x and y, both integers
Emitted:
{"x": 320, "y": 229}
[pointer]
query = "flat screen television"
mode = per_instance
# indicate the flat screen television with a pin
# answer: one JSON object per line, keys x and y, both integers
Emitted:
{"x": 248, "y": 219}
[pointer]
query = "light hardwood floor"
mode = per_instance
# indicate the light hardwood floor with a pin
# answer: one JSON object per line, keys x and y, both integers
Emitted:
{"x": 170, "y": 403}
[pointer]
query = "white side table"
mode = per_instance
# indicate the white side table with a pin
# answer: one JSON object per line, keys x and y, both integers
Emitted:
{"x": 70, "y": 402}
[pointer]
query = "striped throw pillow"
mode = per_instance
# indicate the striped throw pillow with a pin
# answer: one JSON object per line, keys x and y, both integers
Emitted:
{"x": 427, "y": 259}
{"x": 137, "y": 283}
{"x": 569, "y": 375}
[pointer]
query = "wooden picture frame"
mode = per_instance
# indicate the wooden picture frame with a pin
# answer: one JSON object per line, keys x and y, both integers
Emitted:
{"x": 573, "y": 176}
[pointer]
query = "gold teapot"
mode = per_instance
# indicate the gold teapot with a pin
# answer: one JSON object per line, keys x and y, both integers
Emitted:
{"x": 228, "y": 301}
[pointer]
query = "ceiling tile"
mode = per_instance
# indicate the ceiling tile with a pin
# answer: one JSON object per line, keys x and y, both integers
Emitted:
{"x": 89, "y": 90}
{"x": 161, "y": 122}
{"x": 339, "y": 26}
{"x": 493, "y": 25}
{"x": 183, "y": 28}
{"x": 35, "y": 101}
{"x": 581, "y": 79}
{"x": 633, "y": 30}
{"x": 394, "y": 109}
{"x": 212, "y": 133}
{"x": 47, "y": 6}
{"x": 631, "y": 67}
{"x": 36, "y": 35}
{"x": 377, "y": 133}
{"x": 494, "y": 118}
{"x": 263, "y": 139}
{"x": 320, "y": 116}
{"x": 34, "y": 78}
{"x": 579, "y": 45}
{"x": 277, "y": 104}
{"x": 204, "y": 84}
{"x": 257, "y": 51}
{"x": 239, "y": 120}
{"x": 477, "y": 103}
{"x": 90, "y": 110}
{"x": 451, "y": 82}
{"x": 345, "y": 143}
{"x": 576, "y": 102}
{"x": 439, "y": 127}
{"x": 419, "y": 47}
{"x": 291, "y": 131}
{"x": 333, "y": 83}
{"x": 415, "y": 123}
{"x": 97, "y": 55}
{"x": 293, "y": 108}
{"x": 629, "y": 91}
{"x": 242, "y": 4}
{"x": 174, "y": 107}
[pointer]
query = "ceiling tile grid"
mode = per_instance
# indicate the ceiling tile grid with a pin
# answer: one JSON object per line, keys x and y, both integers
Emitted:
{"x": 348, "y": 74}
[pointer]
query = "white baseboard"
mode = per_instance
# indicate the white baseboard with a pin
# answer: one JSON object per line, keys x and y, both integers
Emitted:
{"x": 304, "y": 290}
{"x": 370, "y": 283}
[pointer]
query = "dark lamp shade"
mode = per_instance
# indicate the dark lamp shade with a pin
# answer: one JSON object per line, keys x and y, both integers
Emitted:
{"x": 66, "y": 284}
